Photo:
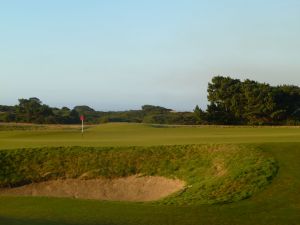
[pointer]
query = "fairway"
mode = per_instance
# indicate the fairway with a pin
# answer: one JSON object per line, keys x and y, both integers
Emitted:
{"x": 124, "y": 134}
{"x": 276, "y": 203}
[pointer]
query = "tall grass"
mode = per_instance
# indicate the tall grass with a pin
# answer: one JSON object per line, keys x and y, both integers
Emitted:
{"x": 213, "y": 173}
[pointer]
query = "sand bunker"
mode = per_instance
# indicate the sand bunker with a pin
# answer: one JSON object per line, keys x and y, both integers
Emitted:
{"x": 133, "y": 188}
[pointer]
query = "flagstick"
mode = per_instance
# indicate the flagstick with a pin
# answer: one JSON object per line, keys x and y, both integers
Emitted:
{"x": 82, "y": 128}
{"x": 82, "y": 119}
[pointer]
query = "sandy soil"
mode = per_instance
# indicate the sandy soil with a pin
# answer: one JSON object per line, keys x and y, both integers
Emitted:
{"x": 133, "y": 188}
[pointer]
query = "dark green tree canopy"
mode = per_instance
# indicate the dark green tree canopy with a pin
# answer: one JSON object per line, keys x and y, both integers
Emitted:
{"x": 233, "y": 101}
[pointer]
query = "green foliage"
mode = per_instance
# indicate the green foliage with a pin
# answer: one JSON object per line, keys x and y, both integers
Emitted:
{"x": 131, "y": 116}
{"x": 214, "y": 173}
{"x": 66, "y": 116}
{"x": 231, "y": 101}
{"x": 33, "y": 111}
{"x": 200, "y": 116}
{"x": 249, "y": 102}
{"x": 150, "y": 109}
{"x": 90, "y": 115}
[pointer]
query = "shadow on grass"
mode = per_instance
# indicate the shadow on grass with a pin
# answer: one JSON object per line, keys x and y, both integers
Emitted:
{"x": 22, "y": 221}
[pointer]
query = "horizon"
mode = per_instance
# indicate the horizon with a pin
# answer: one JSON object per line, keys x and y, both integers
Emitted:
{"x": 140, "y": 107}
{"x": 115, "y": 56}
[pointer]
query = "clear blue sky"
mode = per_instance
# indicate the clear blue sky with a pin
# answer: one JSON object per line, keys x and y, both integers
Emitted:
{"x": 121, "y": 54}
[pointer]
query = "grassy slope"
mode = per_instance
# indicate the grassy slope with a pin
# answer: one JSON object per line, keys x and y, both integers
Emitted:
{"x": 278, "y": 204}
{"x": 214, "y": 173}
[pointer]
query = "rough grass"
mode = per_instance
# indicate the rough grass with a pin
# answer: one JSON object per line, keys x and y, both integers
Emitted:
{"x": 277, "y": 204}
{"x": 214, "y": 173}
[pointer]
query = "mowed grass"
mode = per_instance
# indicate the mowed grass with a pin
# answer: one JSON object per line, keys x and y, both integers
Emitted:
{"x": 139, "y": 135}
{"x": 276, "y": 204}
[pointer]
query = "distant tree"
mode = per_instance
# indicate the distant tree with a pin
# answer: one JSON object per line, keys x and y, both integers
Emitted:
{"x": 67, "y": 116}
{"x": 7, "y": 113}
{"x": 32, "y": 111}
{"x": 91, "y": 116}
{"x": 83, "y": 109}
{"x": 155, "y": 109}
{"x": 200, "y": 115}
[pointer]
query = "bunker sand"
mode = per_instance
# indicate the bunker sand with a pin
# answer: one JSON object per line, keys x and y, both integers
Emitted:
{"x": 132, "y": 188}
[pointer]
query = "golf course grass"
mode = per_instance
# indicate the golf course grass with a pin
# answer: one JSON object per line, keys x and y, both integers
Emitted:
{"x": 235, "y": 175}
{"x": 114, "y": 134}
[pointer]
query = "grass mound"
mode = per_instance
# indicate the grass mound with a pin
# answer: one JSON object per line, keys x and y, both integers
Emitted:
{"x": 213, "y": 173}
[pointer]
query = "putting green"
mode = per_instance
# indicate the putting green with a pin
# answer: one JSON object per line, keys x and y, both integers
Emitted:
{"x": 139, "y": 134}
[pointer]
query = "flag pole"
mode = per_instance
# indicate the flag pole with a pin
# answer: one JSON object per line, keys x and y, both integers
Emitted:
{"x": 81, "y": 127}
{"x": 82, "y": 119}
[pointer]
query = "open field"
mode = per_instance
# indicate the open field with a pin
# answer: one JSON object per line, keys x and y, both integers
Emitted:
{"x": 275, "y": 203}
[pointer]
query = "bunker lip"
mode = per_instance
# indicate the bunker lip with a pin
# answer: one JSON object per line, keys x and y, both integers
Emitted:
{"x": 133, "y": 188}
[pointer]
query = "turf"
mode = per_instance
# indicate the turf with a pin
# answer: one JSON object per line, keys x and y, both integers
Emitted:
{"x": 276, "y": 204}
{"x": 140, "y": 135}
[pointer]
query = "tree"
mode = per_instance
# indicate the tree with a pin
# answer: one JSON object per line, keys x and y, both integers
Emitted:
{"x": 32, "y": 111}
{"x": 200, "y": 115}
{"x": 249, "y": 102}
{"x": 224, "y": 94}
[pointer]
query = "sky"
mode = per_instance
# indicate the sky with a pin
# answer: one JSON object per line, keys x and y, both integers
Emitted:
{"x": 122, "y": 54}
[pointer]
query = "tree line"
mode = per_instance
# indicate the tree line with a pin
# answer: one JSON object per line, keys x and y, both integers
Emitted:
{"x": 32, "y": 110}
{"x": 231, "y": 102}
